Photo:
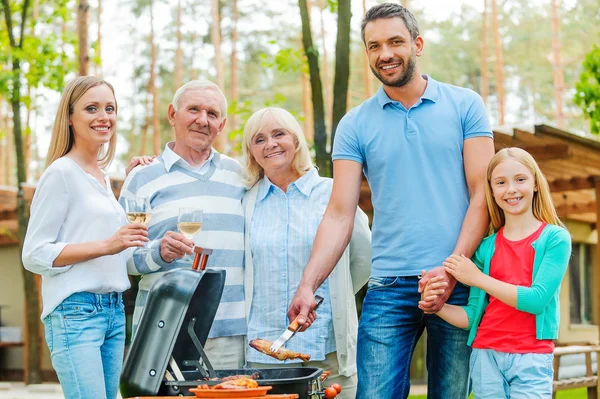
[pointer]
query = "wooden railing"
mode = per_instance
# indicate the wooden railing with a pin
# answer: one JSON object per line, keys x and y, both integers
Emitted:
{"x": 589, "y": 381}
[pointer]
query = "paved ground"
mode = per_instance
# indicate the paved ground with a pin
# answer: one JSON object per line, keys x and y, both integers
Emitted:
{"x": 18, "y": 390}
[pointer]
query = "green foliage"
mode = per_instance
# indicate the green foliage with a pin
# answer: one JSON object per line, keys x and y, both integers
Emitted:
{"x": 587, "y": 94}
{"x": 40, "y": 58}
{"x": 285, "y": 60}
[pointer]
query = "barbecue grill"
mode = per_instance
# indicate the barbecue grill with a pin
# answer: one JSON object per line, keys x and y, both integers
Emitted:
{"x": 167, "y": 358}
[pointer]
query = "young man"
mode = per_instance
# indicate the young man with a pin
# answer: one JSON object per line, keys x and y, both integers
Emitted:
{"x": 424, "y": 147}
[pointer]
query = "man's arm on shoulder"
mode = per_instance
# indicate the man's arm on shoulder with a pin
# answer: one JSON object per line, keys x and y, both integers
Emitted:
{"x": 333, "y": 235}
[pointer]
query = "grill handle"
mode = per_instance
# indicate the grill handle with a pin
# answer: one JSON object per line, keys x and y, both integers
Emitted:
{"x": 201, "y": 258}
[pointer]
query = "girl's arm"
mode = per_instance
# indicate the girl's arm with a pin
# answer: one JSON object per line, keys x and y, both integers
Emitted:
{"x": 544, "y": 286}
{"x": 455, "y": 315}
{"x": 465, "y": 271}
{"x": 549, "y": 277}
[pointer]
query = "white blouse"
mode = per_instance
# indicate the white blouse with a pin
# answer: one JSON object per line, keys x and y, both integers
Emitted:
{"x": 70, "y": 207}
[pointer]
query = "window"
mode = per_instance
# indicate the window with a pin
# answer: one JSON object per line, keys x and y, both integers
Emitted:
{"x": 580, "y": 275}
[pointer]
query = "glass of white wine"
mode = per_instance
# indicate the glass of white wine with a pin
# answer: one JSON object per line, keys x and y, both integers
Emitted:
{"x": 138, "y": 210}
{"x": 190, "y": 223}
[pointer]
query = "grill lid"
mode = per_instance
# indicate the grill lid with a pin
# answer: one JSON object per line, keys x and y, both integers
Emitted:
{"x": 174, "y": 326}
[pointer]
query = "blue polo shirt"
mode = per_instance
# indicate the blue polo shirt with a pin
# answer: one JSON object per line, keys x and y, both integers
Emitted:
{"x": 414, "y": 164}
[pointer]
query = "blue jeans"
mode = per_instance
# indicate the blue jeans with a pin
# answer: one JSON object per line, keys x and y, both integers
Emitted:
{"x": 499, "y": 375}
{"x": 86, "y": 338}
{"x": 389, "y": 328}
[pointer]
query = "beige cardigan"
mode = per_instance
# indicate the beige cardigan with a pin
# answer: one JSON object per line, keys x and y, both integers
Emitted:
{"x": 348, "y": 276}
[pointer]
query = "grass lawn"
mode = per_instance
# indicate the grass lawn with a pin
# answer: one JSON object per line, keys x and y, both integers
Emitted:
{"x": 580, "y": 393}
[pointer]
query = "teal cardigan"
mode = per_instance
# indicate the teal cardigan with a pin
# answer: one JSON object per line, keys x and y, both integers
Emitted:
{"x": 552, "y": 253}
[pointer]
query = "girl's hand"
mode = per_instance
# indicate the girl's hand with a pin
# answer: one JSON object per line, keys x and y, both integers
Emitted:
{"x": 141, "y": 160}
{"x": 130, "y": 235}
{"x": 435, "y": 287}
{"x": 463, "y": 269}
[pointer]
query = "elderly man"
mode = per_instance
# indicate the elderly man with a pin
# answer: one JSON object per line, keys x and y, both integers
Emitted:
{"x": 190, "y": 173}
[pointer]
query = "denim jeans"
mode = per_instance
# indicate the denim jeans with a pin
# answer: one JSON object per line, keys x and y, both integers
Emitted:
{"x": 389, "y": 328}
{"x": 86, "y": 338}
{"x": 498, "y": 375}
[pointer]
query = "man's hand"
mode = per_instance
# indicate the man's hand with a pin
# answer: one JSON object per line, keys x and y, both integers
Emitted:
{"x": 141, "y": 160}
{"x": 436, "y": 304}
{"x": 301, "y": 306}
{"x": 463, "y": 269}
{"x": 174, "y": 246}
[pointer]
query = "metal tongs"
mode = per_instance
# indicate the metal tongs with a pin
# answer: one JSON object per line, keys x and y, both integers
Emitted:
{"x": 292, "y": 329}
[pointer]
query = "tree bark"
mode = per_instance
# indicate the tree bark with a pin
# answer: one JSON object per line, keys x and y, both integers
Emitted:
{"x": 152, "y": 88}
{"x": 557, "y": 70}
{"x": 3, "y": 149}
{"x": 178, "y": 51}
{"x": 485, "y": 80}
{"x": 9, "y": 148}
{"x": 405, "y": 3}
{"x": 32, "y": 337}
{"x": 215, "y": 34}
{"x": 83, "y": 11}
{"x": 342, "y": 66}
{"x": 235, "y": 94}
{"x": 99, "y": 44}
{"x": 312, "y": 54}
{"x": 499, "y": 63}
{"x": 368, "y": 78}
{"x": 326, "y": 79}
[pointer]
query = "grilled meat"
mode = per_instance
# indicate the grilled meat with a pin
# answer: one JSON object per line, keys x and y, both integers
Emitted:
{"x": 239, "y": 383}
{"x": 262, "y": 345}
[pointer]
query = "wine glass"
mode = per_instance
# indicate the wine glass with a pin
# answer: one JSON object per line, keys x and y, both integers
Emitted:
{"x": 190, "y": 223}
{"x": 138, "y": 210}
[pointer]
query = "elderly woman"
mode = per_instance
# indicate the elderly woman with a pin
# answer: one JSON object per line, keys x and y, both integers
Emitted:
{"x": 283, "y": 210}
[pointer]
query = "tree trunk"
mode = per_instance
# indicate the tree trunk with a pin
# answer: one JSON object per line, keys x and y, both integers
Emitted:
{"x": 342, "y": 66}
{"x": 178, "y": 51}
{"x": 309, "y": 129}
{"x": 368, "y": 78}
{"x": 557, "y": 71}
{"x": 28, "y": 130}
{"x": 8, "y": 168}
{"x": 405, "y": 3}
{"x": 322, "y": 157}
{"x": 485, "y": 80}
{"x": 99, "y": 44}
{"x": 235, "y": 95}
{"x": 499, "y": 63}
{"x": 3, "y": 149}
{"x": 326, "y": 80}
{"x": 152, "y": 89}
{"x": 83, "y": 11}
{"x": 215, "y": 34}
{"x": 32, "y": 337}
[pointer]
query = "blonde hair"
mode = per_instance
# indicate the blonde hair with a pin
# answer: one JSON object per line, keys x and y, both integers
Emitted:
{"x": 542, "y": 206}
{"x": 62, "y": 133}
{"x": 302, "y": 161}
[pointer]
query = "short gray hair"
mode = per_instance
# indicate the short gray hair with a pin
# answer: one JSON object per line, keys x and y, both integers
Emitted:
{"x": 390, "y": 10}
{"x": 200, "y": 85}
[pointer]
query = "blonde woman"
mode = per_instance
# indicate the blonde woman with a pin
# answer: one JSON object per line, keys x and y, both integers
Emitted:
{"x": 75, "y": 238}
{"x": 283, "y": 210}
